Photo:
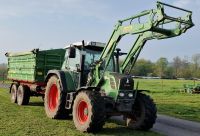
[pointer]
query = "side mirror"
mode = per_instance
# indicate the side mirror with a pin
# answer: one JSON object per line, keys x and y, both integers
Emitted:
{"x": 72, "y": 52}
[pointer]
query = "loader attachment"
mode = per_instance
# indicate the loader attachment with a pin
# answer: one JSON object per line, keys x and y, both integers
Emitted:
{"x": 157, "y": 25}
{"x": 163, "y": 27}
{"x": 171, "y": 26}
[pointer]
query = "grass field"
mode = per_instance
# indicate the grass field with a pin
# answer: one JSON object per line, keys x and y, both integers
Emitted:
{"x": 31, "y": 120}
{"x": 169, "y": 100}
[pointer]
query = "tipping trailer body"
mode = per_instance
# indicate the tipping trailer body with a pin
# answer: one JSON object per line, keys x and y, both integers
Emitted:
{"x": 33, "y": 66}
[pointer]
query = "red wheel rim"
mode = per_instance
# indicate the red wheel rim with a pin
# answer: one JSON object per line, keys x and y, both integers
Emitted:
{"x": 82, "y": 112}
{"x": 53, "y": 97}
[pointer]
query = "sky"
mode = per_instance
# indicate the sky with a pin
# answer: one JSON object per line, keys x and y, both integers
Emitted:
{"x": 47, "y": 24}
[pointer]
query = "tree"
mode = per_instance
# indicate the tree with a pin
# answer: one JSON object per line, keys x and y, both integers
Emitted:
{"x": 177, "y": 63}
{"x": 3, "y": 68}
{"x": 178, "y": 68}
{"x": 169, "y": 72}
{"x": 3, "y": 71}
{"x": 161, "y": 67}
{"x": 143, "y": 68}
{"x": 196, "y": 65}
{"x": 186, "y": 69}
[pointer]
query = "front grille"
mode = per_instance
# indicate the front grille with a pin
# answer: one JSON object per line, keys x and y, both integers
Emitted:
{"x": 126, "y": 83}
{"x": 125, "y": 104}
{"x": 112, "y": 83}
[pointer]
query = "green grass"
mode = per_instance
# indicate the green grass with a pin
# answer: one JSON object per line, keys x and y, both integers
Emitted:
{"x": 169, "y": 100}
{"x": 31, "y": 120}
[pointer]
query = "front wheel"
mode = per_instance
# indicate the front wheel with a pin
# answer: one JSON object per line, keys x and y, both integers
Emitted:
{"x": 143, "y": 114}
{"x": 88, "y": 111}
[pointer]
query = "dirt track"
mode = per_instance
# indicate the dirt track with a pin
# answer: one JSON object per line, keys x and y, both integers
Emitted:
{"x": 171, "y": 126}
{"x": 2, "y": 85}
{"x": 176, "y": 127}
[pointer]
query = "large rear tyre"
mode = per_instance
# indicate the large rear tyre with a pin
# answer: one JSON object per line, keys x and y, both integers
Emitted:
{"x": 143, "y": 115}
{"x": 13, "y": 93}
{"x": 55, "y": 99}
{"x": 23, "y": 95}
{"x": 88, "y": 111}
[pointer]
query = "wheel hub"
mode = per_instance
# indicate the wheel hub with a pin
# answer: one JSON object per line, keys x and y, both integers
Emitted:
{"x": 53, "y": 97}
{"x": 82, "y": 112}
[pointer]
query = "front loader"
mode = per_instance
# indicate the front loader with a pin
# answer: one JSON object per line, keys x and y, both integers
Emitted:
{"x": 92, "y": 85}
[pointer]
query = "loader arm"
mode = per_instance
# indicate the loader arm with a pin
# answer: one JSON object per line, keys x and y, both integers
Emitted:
{"x": 152, "y": 28}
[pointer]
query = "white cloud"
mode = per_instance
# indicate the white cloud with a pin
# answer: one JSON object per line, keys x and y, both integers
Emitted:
{"x": 182, "y": 3}
{"x": 18, "y": 8}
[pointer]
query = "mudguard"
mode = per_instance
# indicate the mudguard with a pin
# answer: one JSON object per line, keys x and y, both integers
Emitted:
{"x": 66, "y": 80}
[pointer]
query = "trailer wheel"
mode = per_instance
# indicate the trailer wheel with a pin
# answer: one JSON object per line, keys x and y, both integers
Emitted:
{"x": 143, "y": 115}
{"x": 55, "y": 99}
{"x": 88, "y": 111}
{"x": 13, "y": 93}
{"x": 23, "y": 95}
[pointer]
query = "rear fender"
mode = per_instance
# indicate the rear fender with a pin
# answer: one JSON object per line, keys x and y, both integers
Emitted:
{"x": 66, "y": 80}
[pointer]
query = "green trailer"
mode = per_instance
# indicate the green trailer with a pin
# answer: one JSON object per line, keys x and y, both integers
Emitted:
{"x": 30, "y": 68}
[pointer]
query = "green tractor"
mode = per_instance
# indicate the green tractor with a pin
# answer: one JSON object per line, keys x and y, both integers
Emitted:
{"x": 92, "y": 84}
{"x": 86, "y": 79}
{"x": 72, "y": 91}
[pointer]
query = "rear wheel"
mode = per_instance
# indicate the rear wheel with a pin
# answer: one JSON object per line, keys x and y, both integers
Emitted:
{"x": 143, "y": 115}
{"x": 55, "y": 99}
{"x": 13, "y": 93}
{"x": 88, "y": 111}
{"x": 23, "y": 95}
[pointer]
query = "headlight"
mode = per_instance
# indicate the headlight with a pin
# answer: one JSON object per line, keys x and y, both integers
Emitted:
{"x": 121, "y": 94}
{"x": 130, "y": 95}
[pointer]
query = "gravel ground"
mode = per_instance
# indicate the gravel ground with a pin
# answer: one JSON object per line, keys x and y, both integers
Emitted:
{"x": 171, "y": 126}
{"x": 2, "y": 85}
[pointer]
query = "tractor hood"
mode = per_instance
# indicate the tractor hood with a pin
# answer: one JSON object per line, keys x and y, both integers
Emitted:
{"x": 115, "y": 82}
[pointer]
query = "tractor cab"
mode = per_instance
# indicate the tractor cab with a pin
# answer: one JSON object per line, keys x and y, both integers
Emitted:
{"x": 80, "y": 57}
{"x": 74, "y": 52}
{"x": 91, "y": 52}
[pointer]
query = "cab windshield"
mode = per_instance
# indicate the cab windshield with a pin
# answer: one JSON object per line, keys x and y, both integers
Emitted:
{"x": 92, "y": 56}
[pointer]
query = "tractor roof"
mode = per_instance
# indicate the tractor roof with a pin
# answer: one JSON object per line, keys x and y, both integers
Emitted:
{"x": 88, "y": 43}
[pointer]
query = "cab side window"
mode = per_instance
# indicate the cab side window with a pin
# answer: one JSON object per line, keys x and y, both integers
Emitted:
{"x": 71, "y": 63}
